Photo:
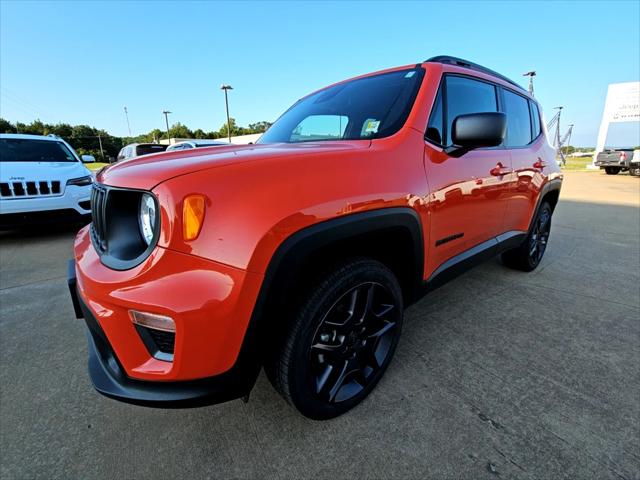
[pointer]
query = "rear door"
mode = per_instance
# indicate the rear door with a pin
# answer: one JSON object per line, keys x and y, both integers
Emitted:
{"x": 528, "y": 150}
{"x": 468, "y": 194}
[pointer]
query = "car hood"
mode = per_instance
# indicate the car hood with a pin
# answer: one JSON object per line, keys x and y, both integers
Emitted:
{"x": 19, "y": 171}
{"x": 148, "y": 171}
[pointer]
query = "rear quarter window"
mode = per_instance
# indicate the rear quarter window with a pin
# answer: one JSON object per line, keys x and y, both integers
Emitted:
{"x": 535, "y": 119}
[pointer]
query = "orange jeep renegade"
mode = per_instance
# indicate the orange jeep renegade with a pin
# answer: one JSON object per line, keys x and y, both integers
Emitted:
{"x": 299, "y": 253}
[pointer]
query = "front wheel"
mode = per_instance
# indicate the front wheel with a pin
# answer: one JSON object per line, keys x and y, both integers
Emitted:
{"x": 527, "y": 256}
{"x": 341, "y": 341}
{"x": 611, "y": 170}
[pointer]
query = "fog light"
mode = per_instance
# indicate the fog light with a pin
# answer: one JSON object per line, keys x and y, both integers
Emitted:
{"x": 153, "y": 320}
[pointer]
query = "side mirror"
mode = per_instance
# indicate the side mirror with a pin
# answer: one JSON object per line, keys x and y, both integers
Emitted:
{"x": 88, "y": 159}
{"x": 477, "y": 130}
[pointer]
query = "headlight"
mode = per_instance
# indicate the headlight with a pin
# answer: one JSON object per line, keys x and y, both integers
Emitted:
{"x": 147, "y": 217}
{"x": 80, "y": 182}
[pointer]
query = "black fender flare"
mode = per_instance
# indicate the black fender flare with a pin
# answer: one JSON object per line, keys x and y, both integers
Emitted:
{"x": 303, "y": 243}
{"x": 551, "y": 186}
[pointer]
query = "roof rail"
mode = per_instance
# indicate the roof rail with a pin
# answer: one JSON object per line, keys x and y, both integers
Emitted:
{"x": 473, "y": 66}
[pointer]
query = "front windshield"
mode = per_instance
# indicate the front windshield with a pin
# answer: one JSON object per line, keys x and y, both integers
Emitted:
{"x": 365, "y": 108}
{"x": 28, "y": 150}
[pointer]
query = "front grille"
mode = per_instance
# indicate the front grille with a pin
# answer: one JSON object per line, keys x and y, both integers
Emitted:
{"x": 30, "y": 188}
{"x": 98, "y": 216}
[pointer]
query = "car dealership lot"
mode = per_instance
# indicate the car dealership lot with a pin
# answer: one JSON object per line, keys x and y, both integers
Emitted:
{"x": 489, "y": 379}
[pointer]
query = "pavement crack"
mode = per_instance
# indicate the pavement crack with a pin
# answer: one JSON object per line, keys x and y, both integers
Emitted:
{"x": 600, "y": 299}
{"x": 35, "y": 282}
{"x": 490, "y": 421}
{"x": 589, "y": 455}
{"x": 509, "y": 459}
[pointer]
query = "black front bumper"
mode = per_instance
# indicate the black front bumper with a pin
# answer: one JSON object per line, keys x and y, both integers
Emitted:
{"x": 109, "y": 378}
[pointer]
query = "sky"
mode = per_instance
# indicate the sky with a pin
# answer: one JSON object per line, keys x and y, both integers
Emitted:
{"x": 81, "y": 62}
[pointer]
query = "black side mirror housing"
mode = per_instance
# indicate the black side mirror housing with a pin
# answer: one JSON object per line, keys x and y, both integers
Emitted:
{"x": 477, "y": 130}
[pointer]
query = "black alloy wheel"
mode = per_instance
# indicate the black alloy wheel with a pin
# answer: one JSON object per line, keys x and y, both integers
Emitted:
{"x": 528, "y": 255}
{"x": 340, "y": 340}
{"x": 352, "y": 342}
{"x": 540, "y": 235}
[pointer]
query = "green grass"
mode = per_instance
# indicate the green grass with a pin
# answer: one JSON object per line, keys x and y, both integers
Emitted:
{"x": 94, "y": 167}
{"x": 577, "y": 163}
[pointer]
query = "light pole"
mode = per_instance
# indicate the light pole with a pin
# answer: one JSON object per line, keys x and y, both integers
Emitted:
{"x": 126, "y": 114}
{"x": 226, "y": 102}
{"x": 166, "y": 120}
{"x": 530, "y": 74}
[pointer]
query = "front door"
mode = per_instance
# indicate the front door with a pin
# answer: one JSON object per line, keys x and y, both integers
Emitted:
{"x": 469, "y": 194}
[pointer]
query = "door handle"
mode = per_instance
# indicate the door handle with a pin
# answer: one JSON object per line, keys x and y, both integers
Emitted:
{"x": 500, "y": 170}
{"x": 540, "y": 164}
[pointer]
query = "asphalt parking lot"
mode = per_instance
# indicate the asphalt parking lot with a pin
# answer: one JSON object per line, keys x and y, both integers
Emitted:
{"x": 499, "y": 374}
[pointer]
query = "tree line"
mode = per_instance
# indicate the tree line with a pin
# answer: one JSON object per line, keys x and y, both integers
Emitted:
{"x": 88, "y": 140}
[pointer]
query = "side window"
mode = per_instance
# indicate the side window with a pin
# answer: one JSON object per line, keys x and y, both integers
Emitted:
{"x": 322, "y": 127}
{"x": 464, "y": 95}
{"x": 535, "y": 117}
{"x": 518, "y": 119}
{"x": 435, "y": 132}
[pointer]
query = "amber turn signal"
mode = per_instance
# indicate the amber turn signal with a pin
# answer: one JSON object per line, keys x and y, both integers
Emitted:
{"x": 192, "y": 216}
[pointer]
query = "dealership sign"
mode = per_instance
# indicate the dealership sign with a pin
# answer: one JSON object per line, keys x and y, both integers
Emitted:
{"x": 622, "y": 105}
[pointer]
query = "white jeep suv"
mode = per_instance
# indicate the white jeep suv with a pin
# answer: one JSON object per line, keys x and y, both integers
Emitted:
{"x": 42, "y": 179}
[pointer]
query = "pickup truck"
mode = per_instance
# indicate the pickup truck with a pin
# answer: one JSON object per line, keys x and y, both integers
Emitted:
{"x": 634, "y": 163}
{"x": 614, "y": 160}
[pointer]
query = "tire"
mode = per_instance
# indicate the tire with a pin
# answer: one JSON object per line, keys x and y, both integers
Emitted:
{"x": 635, "y": 172}
{"x": 611, "y": 170}
{"x": 527, "y": 256}
{"x": 340, "y": 341}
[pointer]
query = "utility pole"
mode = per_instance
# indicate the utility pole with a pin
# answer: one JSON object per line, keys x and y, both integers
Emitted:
{"x": 100, "y": 142}
{"x": 530, "y": 74}
{"x": 126, "y": 114}
{"x": 226, "y": 101}
{"x": 166, "y": 120}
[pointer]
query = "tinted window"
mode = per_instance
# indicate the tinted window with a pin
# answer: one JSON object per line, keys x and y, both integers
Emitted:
{"x": 147, "y": 149}
{"x": 535, "y": 115}
{"x": 468, "y": 96}
{"x": 374, "y": 107}
{"x": 434, "y": 128}
{"x": 518, "y": 119}
{"x": 22, "y": 150}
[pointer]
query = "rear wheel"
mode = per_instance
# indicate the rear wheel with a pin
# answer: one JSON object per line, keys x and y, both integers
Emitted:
{"x": 341, "y": 341}
{"x": 612, "y": 170}
{"x": 634, "y": 171}
{"x": 528, "y": 255}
